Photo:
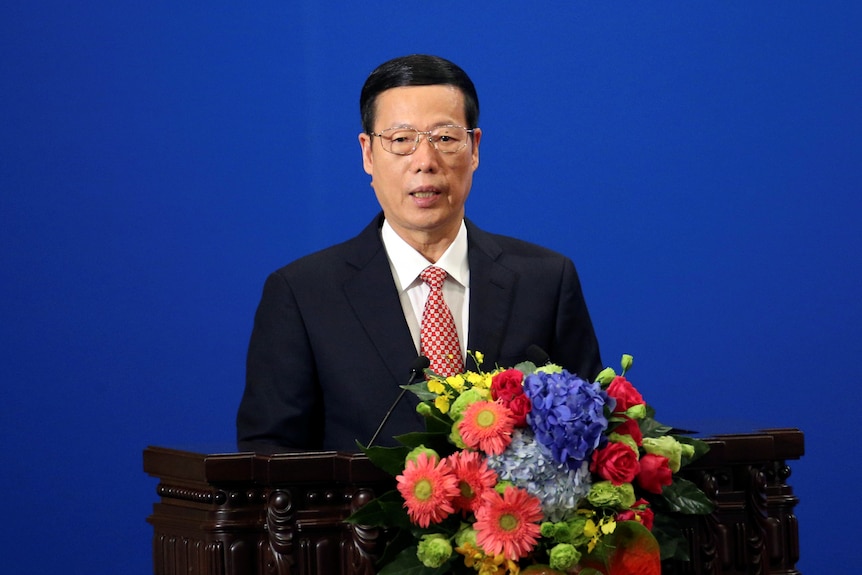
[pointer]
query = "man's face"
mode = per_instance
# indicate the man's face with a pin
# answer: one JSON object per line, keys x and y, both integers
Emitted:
{"x": 422, "y": 194}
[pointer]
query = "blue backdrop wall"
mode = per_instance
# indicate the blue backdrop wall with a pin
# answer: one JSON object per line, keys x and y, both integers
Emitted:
{"x": 700, "y": 162}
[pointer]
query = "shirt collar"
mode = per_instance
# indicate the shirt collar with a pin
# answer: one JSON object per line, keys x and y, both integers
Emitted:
{"x": 409, "y": 263}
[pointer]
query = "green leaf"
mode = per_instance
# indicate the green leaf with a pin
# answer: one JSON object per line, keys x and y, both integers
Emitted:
{"x": 631, "y": 548}
{"x": 526, "y": 367}
{"x": 387, "y": 510}
{"x": 406, "y": 563}
{"x": 700, "y": 448}
{"x": 389, "y": 459}
{"x": 652, "y": 428}
{"x": 683, "y": 496}
{"x": 420, "y": 390}
{"x": 670, "y": 538}
{"x": 439, "y": 442}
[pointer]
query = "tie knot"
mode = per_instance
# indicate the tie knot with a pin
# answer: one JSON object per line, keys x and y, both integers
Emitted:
{"x": 433, "y": 276}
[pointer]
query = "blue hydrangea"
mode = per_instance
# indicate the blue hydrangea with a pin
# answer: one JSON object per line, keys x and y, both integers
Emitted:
{"x": 530, "y": 465}
{"x": 567, "y": 415}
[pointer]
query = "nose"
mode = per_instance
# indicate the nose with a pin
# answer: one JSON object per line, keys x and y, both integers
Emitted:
{"x": 426, "y": 156}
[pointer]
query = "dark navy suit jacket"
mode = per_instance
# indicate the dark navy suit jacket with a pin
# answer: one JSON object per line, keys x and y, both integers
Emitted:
{"x": 330, "y": 347}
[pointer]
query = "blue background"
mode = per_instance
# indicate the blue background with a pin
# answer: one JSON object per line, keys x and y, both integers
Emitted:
{"x": 699, "y": 161}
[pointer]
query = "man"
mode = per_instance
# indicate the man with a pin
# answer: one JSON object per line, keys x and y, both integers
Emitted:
{"x": 336, "y": 332}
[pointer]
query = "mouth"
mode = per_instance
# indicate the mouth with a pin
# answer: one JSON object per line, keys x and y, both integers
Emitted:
{"x": 425, "y": 192}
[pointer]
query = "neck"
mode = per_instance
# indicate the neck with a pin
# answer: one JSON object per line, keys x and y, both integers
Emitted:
{"x": 432, "y": 244}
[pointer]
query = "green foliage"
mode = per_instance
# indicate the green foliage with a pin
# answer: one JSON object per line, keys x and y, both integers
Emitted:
{"x": 673, "y": 543}
{"x": 632, "y": 539}
{"x": 389, "y": 459}
{"x": 683, "y": 496}
{"x": 652, "y": 428}
{"x": 384, "y": 511}
{"x": 700, "y": 448}
{"x": 439, "y": 442}
{"x": 406, "y": 563}
{"x": 421, "y": 391}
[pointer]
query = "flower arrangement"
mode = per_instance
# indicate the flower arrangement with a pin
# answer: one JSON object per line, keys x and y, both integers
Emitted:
{"x": 533, "y": 470}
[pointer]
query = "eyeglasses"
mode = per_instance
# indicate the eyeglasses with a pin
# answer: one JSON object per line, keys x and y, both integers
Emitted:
{"x": 404, "y": 141}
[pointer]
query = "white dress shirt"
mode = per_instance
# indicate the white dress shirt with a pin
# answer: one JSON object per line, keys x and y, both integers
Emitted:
{"x": 406, "y": 264}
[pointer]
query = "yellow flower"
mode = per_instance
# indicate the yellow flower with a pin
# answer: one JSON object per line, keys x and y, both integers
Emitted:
{"x": 456, "y": 382}
{"x": 441, "y": 402}
{"x": 498, "y": 565}
{"x": 475, "y": 379}
{"x": 436, "y": 386}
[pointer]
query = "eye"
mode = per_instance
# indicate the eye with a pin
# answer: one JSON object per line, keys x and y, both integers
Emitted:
{"x": 449, "y": 134}
{"x": 402, "y": 136}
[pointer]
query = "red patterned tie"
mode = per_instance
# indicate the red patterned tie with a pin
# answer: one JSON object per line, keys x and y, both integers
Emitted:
{"x": 439, "y": 337}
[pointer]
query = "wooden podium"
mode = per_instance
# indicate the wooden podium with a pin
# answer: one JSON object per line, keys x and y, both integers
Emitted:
{"x": 283, "y": 513}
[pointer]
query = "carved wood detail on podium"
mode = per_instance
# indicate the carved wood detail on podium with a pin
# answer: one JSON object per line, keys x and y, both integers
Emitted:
{"x": 753, "y": 529}
{"x": 283, "y": 514}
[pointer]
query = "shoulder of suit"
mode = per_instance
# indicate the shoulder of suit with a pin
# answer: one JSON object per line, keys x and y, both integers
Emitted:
{"x": 497, "y": 245}
{"x": 356, "y": 251}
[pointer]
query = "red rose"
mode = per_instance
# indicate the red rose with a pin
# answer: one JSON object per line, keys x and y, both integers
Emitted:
{"x": 519, "y": 406}
{"x": 630, "y": 427}
{"x": 625, "y": 394}
{"x": 617, "y": 463}
{"x": 654, "y": 473}
{"x": 639, "y": 512}
{"x": 507, "y": 384}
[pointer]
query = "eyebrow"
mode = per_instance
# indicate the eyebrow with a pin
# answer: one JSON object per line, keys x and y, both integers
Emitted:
{"x": 433, "y": 126}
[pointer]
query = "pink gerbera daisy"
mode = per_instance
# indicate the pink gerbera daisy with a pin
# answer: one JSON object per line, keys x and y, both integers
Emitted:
{"x": 474, "y": 478}
{"x": 487, "y": 426}
{"x": 508, "y": 523}
{"x": 428, "y": 488}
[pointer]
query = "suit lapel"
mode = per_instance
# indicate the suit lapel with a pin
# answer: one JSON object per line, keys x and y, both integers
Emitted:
{"x": 492, "y": 288}
{"x": 374, "y": 299}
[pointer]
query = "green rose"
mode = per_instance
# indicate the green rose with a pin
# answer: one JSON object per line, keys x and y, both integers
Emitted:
{"x": 627, "y": 439}
{"x": 576, "y": 527}
{"x": 687, "y": 450}
{"x": 627, "y": 495}
{"x": 455, "y": 437}
{"x": 465, "y": 535}
{"x": 603, "y": 494}
{"x": 666, "y": 446}
{"x": 549, "y": 368}
{"x": 502, "y": 485}
{"x": 606, "y": 376}
{"x": 416, "y": 451}
{"x": 434, "y": 550}
{"x": 626, "y": 362}
{"x": 462, "y": 402}
{"x": 564, "y": 556}
{"x": 636, "y": 411}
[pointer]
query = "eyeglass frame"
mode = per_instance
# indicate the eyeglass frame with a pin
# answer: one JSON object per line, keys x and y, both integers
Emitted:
{"x": 419, "y": 134}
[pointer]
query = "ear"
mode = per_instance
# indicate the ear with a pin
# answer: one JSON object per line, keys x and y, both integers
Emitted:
{"x": 477, "y": 135}
{"x": 367, "y": 156}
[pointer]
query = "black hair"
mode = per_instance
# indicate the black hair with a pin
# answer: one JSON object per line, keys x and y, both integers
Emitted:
{"x": 416, "y": 70}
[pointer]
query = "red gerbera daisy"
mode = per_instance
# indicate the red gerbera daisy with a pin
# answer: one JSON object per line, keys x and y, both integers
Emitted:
{"x": 474, "y": 478}
{"x": 487, "y": 426}
{"x": 428, "y": 489}
{"x": 508, "y": 523}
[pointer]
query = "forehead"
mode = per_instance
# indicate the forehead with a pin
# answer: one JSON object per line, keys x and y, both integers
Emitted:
{"x": 420, "y": 106}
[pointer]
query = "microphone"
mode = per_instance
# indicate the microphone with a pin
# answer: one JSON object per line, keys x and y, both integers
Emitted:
{"x": 538, "y": 356}
{"x": 418, "y": 365}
